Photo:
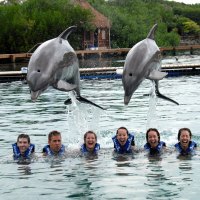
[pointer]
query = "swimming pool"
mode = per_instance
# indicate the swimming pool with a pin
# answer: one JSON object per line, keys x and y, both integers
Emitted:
{"x": 106, "y": 177}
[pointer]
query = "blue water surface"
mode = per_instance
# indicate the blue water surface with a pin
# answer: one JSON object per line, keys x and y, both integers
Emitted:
{"x": 105, "y": 177}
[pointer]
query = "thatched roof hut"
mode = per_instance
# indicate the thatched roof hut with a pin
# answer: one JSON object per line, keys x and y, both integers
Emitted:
{"x": 101, "y": 37}
{"x": 100, "y": 21}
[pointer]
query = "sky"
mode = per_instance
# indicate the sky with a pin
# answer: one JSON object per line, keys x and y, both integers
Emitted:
{"x": 183, "y": 1}
{"x": 188, "y": 1}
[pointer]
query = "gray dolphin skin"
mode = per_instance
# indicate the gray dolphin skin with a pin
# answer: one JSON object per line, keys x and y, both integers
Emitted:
{"x": 55, "y": 63}
{"x": 143, "y": 62}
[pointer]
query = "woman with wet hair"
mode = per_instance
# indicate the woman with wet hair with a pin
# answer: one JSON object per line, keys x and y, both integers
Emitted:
{"x": 154, "y": 145}
{"x": 123, "y": 141}
{"x": 90, "y": 144}
{"x": 185, "y": 145}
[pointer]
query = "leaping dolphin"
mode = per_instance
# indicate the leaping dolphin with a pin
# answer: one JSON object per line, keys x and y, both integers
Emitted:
{"x": 55, "y": 63}
{"x": 143, "y": 62}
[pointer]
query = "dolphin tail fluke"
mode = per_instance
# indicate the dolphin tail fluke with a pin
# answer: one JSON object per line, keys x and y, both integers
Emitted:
{"x": 82, "y": 100}
{"x": 158, "y": 94}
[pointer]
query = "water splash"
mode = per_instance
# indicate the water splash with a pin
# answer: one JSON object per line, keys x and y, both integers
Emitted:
{"x": 151, "y": 115}
{"x": 81, "y": 118}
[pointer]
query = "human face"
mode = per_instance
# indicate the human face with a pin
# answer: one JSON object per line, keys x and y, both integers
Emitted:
{"x": 122, "y": 136}
{"x": 55, "y": 143}
{"x": 23, "y": 145}
{"x": 152, "y": 139}
{"x": 184, "y": 139}
{"x": 90, "y": 141}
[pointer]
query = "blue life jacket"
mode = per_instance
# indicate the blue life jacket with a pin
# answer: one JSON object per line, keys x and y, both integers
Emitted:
{"x": 190, "y": 149}
{"x": 49, "y": 152}
{"x": 27, "y": 153}
{"x": 84, "y": 149}
{"x": 123, "y": 149}
{"x": 158, "y": 148}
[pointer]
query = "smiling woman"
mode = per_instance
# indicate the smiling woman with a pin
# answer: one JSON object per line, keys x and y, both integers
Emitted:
{"x": 185, "y": 145}
{"x": 154, "y": 145}
{"x": 123, "y": 141}
{"x": 90, "y": 143}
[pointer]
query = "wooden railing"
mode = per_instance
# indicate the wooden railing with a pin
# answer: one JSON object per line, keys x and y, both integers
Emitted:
{"x": 101, "y": 52}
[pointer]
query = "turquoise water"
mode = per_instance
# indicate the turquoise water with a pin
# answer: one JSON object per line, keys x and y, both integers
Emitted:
{"x": 105, "y": 177}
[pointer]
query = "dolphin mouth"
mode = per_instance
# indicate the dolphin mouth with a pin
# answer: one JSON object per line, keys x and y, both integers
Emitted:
{"x": 34, "y": 95}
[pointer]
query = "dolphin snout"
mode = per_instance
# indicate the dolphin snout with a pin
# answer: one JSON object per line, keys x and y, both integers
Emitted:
{"x": 127, "y": 99}
{"x": 34, "y": 95}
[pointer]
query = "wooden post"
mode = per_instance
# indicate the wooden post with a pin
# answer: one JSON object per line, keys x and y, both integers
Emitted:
{"x": 12, "y": 57}
{"x": 174, "y": 51}
{"x": 191, "y": 50}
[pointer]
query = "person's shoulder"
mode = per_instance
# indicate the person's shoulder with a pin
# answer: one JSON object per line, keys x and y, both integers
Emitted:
{"x": 194, "y": 143}
{"x": 163, "y": 143}
{"x": 114, "y": 137}
{"x": 44, "y": 149}
{"x": 147, "y": 145}
{"x": 131, "y": 134}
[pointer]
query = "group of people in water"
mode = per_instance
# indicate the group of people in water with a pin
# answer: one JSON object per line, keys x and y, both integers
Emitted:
{"x": 124, "y": 143}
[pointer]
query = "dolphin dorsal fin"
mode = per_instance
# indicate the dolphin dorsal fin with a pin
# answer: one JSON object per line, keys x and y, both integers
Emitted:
{"x": 67, "y": 32}
{"x": 152, "y": 32}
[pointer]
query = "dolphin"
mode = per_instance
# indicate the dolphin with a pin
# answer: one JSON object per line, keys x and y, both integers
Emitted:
{"x": 55, "y": 63}
{"x": 143, "y": 62}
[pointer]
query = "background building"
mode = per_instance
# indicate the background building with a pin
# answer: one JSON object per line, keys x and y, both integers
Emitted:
{"x": 100, "y": 38}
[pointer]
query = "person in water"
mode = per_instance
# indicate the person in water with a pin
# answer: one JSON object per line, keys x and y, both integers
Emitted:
{"x": 90, "y": 144}
{"x": 123, "y": 141}
{"x": 23, "y": 149}
{"x": 154, "y": 145}
{"x": 55, "y": 146}
{"x": 185, "y": 145}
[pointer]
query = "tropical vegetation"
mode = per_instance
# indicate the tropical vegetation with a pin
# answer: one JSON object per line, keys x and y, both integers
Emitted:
{"x": 26, "y": 23}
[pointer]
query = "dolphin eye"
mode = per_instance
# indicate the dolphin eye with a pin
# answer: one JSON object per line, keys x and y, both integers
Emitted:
{"x": 130, "y": 74}
{"x": 38, "y": 70}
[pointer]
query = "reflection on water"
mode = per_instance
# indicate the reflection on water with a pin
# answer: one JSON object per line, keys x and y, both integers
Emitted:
{"x": 24, "y": 170}
{"x": 111, "y": 62}
{"x": 107, "y": 176}
{"x": 159, "y": 183}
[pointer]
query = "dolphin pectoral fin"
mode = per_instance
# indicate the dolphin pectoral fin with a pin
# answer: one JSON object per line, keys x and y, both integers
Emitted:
{"x": 83, "y": 100}
{"x": 158, "y": 94}
{"x": 156, "y": 75}
{"x": 65, "y": 86}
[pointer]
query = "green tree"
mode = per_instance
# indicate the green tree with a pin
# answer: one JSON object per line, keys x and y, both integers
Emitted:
{"x": 26, "y": 23}
{"x": 191, "y": 27}
{"x": 35, "y": 21}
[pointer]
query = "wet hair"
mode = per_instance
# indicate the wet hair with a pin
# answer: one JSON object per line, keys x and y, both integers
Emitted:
{"x": 122, "y": 128}
{"x": 184, "y": 129}
{"x": 152, "y": 129}
{"x": 53, "y": 133}
{"x": 90, "y": 132}
{"x": 26, "y": 136}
